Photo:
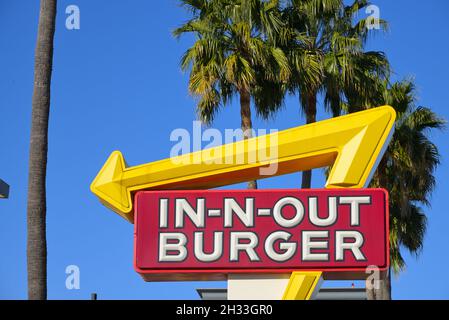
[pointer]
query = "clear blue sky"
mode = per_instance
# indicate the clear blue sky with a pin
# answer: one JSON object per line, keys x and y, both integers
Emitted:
{"x": 117, "y": 85}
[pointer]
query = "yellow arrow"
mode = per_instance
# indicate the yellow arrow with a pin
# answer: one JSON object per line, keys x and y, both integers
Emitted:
{"x": 352, "y": 143}
{"x": 302, "y": 285}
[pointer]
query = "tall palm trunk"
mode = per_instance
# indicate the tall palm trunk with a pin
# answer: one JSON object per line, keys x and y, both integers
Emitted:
{"x": 386, "y": 286}
{"x": 246, "y": 125}
{"x": 310, "y": 118}
{"x": 36, "y": 206}
{"x": 383, "y": 292}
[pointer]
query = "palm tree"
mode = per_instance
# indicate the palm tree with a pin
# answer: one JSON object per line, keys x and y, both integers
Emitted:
{"x": 325, "y": 50}
{"x": 234, "y": 54}
{"x": 407, "y": 172}
{"x": 36, "y": 206}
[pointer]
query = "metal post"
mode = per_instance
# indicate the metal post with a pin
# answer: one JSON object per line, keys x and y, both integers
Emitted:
{"x": 4, "y": 189}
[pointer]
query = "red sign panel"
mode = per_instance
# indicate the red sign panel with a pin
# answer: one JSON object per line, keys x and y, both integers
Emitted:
{"x": 195, "y": 235}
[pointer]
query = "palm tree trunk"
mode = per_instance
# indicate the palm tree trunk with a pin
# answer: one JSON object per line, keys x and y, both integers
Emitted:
{"x": 310, "y": 118}
{"x": 36, "y": 206}
{"x": 246, "y": 125}
{"x": 385, "y": 286}
{"x": 385, "y": 283}
{"x": 383, "y": 292}
{"x": 370, "y": 293}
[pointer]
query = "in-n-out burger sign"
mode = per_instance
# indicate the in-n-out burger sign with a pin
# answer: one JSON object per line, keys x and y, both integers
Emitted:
{"x": 197, "y": 235}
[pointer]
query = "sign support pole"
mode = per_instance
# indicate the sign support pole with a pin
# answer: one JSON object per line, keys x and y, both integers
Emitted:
{"x": 257, "y": 286}
{"x": 303, "y": 285}
{"x": 300, "y": 285}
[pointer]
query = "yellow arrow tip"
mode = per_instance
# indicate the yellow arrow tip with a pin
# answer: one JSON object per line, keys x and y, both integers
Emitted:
{"x": 108, "y": 187}
{"x": 367, "y": 145}
{"x": 390, "y": 110}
